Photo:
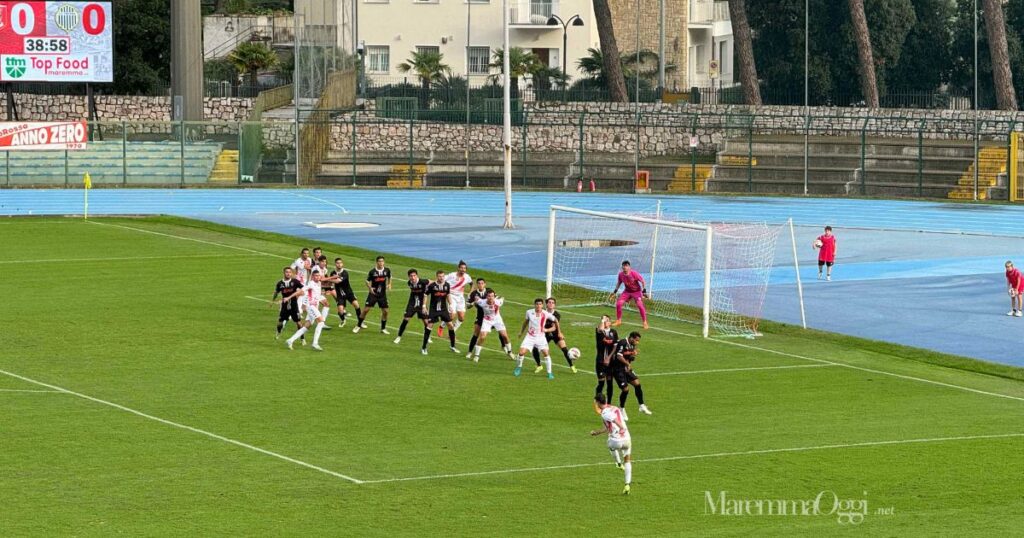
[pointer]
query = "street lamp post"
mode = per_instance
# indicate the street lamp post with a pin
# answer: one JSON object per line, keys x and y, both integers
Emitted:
{"x": 555, "y": 20}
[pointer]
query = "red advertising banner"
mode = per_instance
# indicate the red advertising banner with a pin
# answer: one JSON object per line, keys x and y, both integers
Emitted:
{"x": 27, "y": 135}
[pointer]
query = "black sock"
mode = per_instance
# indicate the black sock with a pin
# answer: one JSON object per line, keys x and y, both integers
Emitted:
{"x": 280, "y": 327}
{"x": 451, "y": 337}
{"x": 401, "y": 328}
{"x": 536, "y": 356}
{"x": 359, "y": 321}
{"x": 504, "y": 341}
{"x": 610, "y": 389}
{"x": 341, "y": 316}
{"x": 565, "y": 351}
{"x": 639, "y": 394}
{"x": 359, "y": 312}
{"x": 600, "y": 387}
{"x": 426, "y": 337}
{"x": 383, "y": 324}
{"x": 622, "y": 398}
{"x": 472, "y": 342}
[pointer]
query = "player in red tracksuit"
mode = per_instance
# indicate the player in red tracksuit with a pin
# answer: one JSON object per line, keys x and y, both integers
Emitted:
{"x": 1015, "y": 281}
{"x": 826, "y": 245}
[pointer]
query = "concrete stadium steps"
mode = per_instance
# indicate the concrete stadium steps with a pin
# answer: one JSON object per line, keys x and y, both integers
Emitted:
{"x": 225, "y": 169}
{"x": 992, "y": 163}
{"x": 400, "y": 170}
{"x": 891, "y": 166}
{"x": 690, "y": 179}
{"x": 109, "y": 162}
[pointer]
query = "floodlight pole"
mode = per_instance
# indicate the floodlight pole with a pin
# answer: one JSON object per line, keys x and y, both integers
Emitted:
{"x": 807, "y": 92}
{"x": 506, "y": 97}
{"x": 469, "y": 22}
{"x": 975, "y": 100}
{"x": 661, "y": 47}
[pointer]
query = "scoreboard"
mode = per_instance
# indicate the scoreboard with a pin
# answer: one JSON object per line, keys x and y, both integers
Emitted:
{"x": 56, "y": 42}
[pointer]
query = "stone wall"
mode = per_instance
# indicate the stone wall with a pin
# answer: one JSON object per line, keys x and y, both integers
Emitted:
{"x": 676, "y": 39}
{"x": 121, "y": 108}
{"x": 663, "y": 129}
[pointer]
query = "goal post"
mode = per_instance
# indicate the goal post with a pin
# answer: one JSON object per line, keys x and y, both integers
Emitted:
{"x": 716, "y": 275}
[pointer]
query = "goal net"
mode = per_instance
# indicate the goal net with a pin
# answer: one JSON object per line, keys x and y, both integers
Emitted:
{"x": 713, "y": 274}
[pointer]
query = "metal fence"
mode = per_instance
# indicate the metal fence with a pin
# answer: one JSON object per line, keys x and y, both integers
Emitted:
{"x": 899, "y": 155}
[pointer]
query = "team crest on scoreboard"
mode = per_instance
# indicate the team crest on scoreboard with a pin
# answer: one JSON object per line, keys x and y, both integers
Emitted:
{"x": 67, "y": 17}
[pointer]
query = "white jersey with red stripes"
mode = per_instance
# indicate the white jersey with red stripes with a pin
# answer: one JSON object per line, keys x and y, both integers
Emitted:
{"x": 458, "y": 283}
{"x": 312, "y": 294}
{"x": 537, "y": 321}
{"x": 301, "y": 268}
{"x": 491, "y": 312}
{"x": 615, "y": 422}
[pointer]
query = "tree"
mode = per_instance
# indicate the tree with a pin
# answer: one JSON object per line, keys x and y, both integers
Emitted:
{"x": 142, "y": 46}
{"x": 866, "y": 61}
{"x": 250, "y": 58}
{"x": 429, "y": 67}
{"x": 615, "y": 81}
{"x": 745, "y": 52}
{"x": 925, "y": 58}
{"x": 1002, "y": 76}
{"x": 521, "y": 63}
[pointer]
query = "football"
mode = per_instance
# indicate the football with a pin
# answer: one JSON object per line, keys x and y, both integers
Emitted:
{"x": 574, "y": 353}
{"x": 817, "y": 243}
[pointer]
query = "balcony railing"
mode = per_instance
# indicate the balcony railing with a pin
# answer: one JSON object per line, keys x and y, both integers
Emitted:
{"x": 532, "y": 12}
{"x": 707, "y": 11}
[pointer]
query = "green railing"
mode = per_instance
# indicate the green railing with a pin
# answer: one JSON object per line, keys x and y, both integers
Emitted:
{"x": 251, "y": 133}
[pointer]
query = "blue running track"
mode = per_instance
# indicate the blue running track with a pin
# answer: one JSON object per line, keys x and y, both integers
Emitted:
{"x": 926, "y": 274}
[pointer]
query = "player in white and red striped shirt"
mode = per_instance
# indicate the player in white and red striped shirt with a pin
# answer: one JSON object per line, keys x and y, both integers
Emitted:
{"x": 491, "y": 307}
{"x": 458, "y": 282}
{"x": 533, "y": 326}
{"x": 619, "y": 443}
{"x": 311, "y": 298}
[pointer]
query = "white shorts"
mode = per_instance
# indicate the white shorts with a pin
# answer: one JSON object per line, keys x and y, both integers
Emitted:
{"x": 496, "y": 324}
{"x": 533, "y": 341}
{"x": 457, "y": 303}
{"x": 312, "y": 314}
{"x": 623, "y": 444}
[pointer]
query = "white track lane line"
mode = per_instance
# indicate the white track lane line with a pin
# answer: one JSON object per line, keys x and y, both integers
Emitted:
{"x": 712, "y": 455}
{"x": 184, "y": 427}
{"x": 720, "y": 341}
{"x": 820, "y": 361}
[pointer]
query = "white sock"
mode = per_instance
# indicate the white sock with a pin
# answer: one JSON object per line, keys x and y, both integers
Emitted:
{"x": 629, "y": 472}
{"x": 457, "y": 324}
{"x": 547, "y": 362}
{"x": 615, "y": 454}
{"x": 519, "y": 361}
{"x": 476, "y": 351}
{"x": 297, "y": 335}
{"x": 316, "y": 333}
{"x": 507, "y": 348}
{"x": 325, "y": 312}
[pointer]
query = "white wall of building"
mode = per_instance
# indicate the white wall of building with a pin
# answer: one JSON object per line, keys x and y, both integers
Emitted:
{"x": 710, "y": 38}
{"x": 397, "y": 27}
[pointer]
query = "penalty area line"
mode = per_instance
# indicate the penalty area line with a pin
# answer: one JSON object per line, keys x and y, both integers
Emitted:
{"x": 178, "y": 425}
{"x": 721, "y": 370}
{"x": 32, "y": 390}
{"x": 712, "y": 455}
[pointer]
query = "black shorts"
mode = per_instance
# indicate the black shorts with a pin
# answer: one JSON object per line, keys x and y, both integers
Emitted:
{"x": 444, "y": 315}
{"x": 821, "y": 263}
{"x": 373, "y": 300}
{"x": 479, "y": 319}
{"x": 288, "y": 312}
{"x": 624, "y": 377}
{"x": 551, "y": 337}
{"x": 601, "y": 369}
{"x": 344, "y": 295}
{"x": 414, "y": 311}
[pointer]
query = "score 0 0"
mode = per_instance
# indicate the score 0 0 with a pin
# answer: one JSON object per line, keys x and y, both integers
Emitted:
{"x": 23, "y": 19}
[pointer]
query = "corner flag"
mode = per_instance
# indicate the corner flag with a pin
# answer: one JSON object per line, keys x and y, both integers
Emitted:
{"x": 87, "y": 182}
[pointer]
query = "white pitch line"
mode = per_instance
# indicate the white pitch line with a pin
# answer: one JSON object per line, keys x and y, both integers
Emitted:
{"x": 184, "y": 427}
{"x": 701, "y": 456}
{"x": 822, "y": 361}
{"x": 726, "y": 342}
{"x": 31, "y": 390}
{"x": 184, "y": 238}
{"x": 126, "y": 258}
{"x": 718, "y": 370}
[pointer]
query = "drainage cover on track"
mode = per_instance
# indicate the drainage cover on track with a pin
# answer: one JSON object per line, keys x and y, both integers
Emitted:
{"x": 342, "y": 225}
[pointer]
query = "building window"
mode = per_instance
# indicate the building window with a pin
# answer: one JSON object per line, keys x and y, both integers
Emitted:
{"x": 378, "y": 59}
{"x": 428, "y": 48}
{"x": 479, "y": 60}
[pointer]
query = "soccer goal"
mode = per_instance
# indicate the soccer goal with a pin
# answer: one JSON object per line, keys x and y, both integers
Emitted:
{"x": 714, "y": 274}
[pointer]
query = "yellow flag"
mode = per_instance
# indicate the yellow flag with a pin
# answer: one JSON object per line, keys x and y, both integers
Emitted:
{"x": 87, "y": 181}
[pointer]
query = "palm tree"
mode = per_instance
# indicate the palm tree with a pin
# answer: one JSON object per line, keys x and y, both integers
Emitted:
{"x": 995, "y": 26}
{"x": 521, "y": 63}
{"x": 745, "y": 52}
{"x": 866, "y": 62}
{"x": 429, "y": 67}
{"x": 251, "y": 58}
{"x": 615, "y": 81}
{"x": 592, "y": 65}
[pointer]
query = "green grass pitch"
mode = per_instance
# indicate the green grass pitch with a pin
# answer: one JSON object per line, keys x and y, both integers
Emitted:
{"x": 142, "y": 393}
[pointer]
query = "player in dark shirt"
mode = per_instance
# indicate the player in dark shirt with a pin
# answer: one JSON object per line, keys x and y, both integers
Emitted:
{"x": 480, "y": 292}
{"x": 417, "y": 306}
{"x": 378, "y": 282}
{"x": 553, "y": 334}
{"x": 606, "y": 339}
{"x": 343, "y": 293}
{"x": 438, "y": 292}
{"x": 286, "y": 287}
{"x": 622, "y": 370}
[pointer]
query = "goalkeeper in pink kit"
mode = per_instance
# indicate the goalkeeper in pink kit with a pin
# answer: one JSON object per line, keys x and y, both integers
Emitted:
{"x": 633, "y": 289}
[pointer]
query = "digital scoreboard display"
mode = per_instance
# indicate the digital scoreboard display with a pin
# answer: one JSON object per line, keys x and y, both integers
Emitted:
{"x": 56, "y": 42}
